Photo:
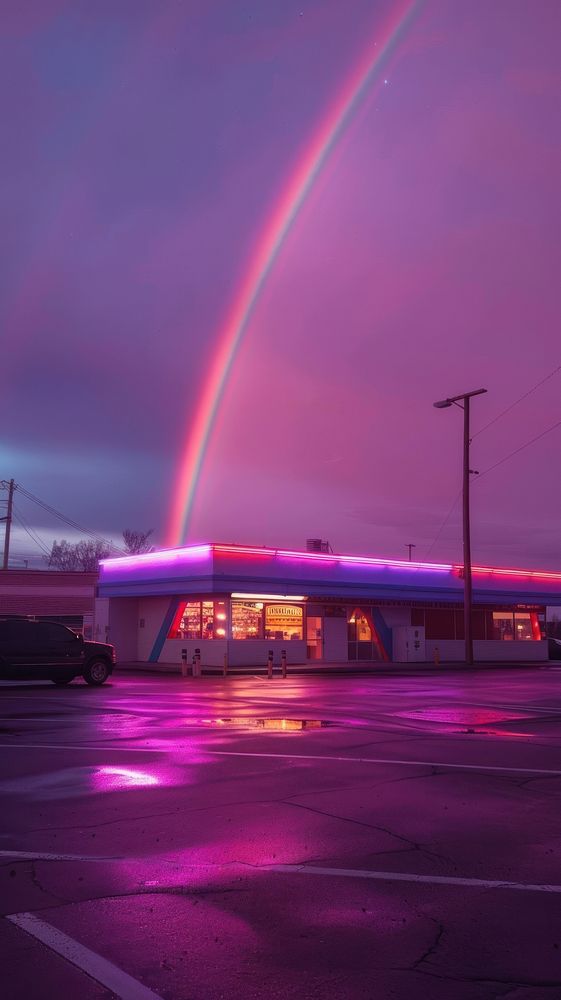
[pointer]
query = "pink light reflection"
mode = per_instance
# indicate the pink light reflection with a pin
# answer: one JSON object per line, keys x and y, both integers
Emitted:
{"x": 109, "y": 778}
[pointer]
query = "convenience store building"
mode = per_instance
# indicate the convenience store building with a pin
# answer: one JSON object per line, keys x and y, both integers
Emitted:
{"x": 242, "y": 601}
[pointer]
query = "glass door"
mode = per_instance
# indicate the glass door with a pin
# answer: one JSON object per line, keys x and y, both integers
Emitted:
{"x": 363, "y": 642}
{"x": 314, "y": 637}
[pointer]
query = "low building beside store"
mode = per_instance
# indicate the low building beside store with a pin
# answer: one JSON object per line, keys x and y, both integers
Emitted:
{"x": 239, "y": 602}
{"x": 68, "y": 598}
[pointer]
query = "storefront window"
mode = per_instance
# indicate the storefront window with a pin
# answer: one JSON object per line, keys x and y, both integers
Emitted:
{"x": 358, "y": 626}
{"x": 503, "y": 625}
{"x": 363, "y": 641}
{"x": 220, "y": 620}
{"x": 199, "y": 620}
{"x": 189, "y": 624}
{"x": 523, "y": 625}
{"x": 284, "y": 621}
{"x": 247, "y": 620}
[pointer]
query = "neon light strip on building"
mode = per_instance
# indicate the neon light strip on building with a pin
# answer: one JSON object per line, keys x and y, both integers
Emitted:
{"x": 159, "y": 558}
{"x": 190, "y": 553}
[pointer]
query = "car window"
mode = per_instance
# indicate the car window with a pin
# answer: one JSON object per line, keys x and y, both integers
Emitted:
{"x": 17, "y": 631}
{"x": 51, "y": 632}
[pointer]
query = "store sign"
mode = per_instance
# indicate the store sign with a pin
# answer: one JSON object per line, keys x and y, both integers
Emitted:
{"x": 282, "y": 615}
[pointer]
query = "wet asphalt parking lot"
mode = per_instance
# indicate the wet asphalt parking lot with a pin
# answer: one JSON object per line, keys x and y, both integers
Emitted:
{"x": 175, "y": 838}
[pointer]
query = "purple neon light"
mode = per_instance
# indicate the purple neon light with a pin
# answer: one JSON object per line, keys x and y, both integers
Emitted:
{"x": 191, "y": 552}
{"x": 162, "y": 558}
{"x": 330, "y": 557}
{"x": 363, "y": 560}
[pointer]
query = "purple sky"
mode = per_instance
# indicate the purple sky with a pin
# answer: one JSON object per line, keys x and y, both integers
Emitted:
{"x": 144, "y": 145}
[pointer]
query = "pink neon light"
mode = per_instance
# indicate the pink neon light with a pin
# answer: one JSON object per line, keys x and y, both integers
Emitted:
{"x": 331, "y": 557}
{"x": 526, "y": 573}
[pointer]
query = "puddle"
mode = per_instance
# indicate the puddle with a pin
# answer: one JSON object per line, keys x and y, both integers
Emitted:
{"x": 464, "y": 716}
{"x": 278, "y": 725}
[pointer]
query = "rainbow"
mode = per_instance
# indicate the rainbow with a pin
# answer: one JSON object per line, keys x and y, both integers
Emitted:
{"x": 264, "y": 256}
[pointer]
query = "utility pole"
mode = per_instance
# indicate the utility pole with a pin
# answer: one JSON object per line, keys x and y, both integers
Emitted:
{"x": 463, "y": 402}
{"x": 8, "y": 519}
{"x": 410, "y": 545}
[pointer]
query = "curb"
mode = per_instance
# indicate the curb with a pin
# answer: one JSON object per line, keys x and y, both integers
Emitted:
{"x": 397, "y": 670}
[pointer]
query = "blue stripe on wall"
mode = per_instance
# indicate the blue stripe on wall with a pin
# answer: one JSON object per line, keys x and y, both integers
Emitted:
{"x": 164, "y": 629}
{"x": 384, "y": 631}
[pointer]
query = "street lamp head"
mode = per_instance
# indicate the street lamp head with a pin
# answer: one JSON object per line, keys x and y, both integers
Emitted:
{"x": 442, "y": 404}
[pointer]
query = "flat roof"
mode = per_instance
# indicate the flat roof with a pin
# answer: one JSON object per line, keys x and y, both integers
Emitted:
{"x": 217, "y": 567}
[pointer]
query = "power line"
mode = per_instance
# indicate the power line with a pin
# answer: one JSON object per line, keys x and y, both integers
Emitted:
{"x": 510, "y": 455}
{"x": 516, "y": 402}
{"x": 34, "y": 537}
{"x": 442, "y": 526}
{"x": 67, "y": 520}
{"x": 57, "y": 513}
{"x": 31, "y": 532}
{"x": 501, "y": 461}
{"x": 516, "y": 451}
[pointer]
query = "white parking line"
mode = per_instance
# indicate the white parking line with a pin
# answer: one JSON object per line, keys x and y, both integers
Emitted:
{"x": 364, "y": 873}
{"x": 61, "y": 746}
{"x": 473, "y": 883}
{"x": 511, "y": 707}
{"x": 389, "y": 760}
{"x": 41, "y": 856}
{"x": 104, "y": 972}
{"x": 445, "y": 765}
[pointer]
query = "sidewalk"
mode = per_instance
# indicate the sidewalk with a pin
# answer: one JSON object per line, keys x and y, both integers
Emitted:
{"x": 354, "y": 668}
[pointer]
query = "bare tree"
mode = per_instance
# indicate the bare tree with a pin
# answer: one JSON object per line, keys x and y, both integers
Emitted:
{"x": 137, "y": 541}
{"x": 62, "y": 556}
{"x": 82, "y": 556}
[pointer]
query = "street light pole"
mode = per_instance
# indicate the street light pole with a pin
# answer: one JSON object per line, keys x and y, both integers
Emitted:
{"x": 467, "y": 541}
{"x": 463, "y": 402}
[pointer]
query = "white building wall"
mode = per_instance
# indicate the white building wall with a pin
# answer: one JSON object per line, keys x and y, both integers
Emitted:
{"x": 123, "y": 628}
{"x": 335, "y": 642}
{"x": 212, "y": 651}
{"x": 101, "y": 620}
{"x": 151, "y": 611}
{"x": 255, "y": 651}
{"x": 487, "y": 650}
{"x": 241, "y": 652}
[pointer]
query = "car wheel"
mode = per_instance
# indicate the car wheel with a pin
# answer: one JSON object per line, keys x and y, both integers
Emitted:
{"x": 62, "y": 681}
{"x": 96, "y": 672}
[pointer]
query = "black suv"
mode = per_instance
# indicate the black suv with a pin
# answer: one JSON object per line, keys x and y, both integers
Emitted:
{"x": 31, "y": 650}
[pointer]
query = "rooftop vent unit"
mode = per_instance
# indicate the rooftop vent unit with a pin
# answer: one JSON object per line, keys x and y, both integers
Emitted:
{"x": 317, "y": 545}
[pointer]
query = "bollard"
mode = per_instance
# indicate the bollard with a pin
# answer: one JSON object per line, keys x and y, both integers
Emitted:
{"x": 436, "y": 655}
{"x": 225, "y": 664}
{"x": 270, "y": 665}
{"x": 283, "y": 662}
{"x": 198, "y": 659}
{"x": 184, "y": 663}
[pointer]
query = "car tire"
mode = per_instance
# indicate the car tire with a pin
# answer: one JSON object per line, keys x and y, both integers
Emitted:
{"x": 61, "y": 681}
{"x": 96, "y": 672}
